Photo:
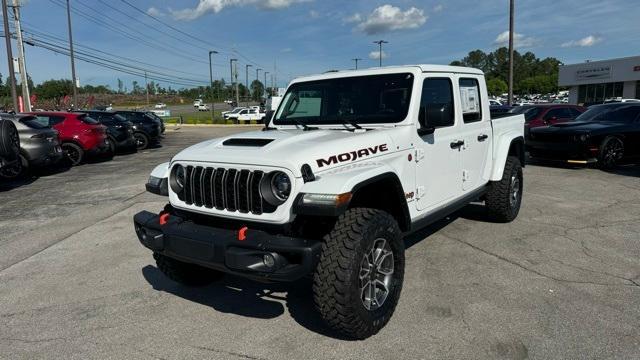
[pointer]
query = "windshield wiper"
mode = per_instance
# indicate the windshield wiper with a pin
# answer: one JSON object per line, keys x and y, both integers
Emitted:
{"x": 350, "y": 122}
{"x": 305, "y": 127}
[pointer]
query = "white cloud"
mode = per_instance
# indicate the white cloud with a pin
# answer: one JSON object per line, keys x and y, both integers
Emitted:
{"x": 388, "y": 18}
{"x": 375, "y": 55}
{"x": 153, "y": 11}
{"x": 286, "y": 50}
{"x": 438, "y": 8}
{"x": 215, "y": 6}
{"x": 314, "y": 14}
{"x": 519, "y": 40}
{"x": 584, "y": 42}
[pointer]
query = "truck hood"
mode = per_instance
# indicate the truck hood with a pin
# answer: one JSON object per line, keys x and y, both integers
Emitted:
{"x": 321, "y": 149}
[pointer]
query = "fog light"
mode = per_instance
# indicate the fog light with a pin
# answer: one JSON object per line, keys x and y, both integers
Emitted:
{"x": 268, "y": 260}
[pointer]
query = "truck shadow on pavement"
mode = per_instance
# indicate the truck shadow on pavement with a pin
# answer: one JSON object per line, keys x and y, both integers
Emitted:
{"x": 235, "y": 295}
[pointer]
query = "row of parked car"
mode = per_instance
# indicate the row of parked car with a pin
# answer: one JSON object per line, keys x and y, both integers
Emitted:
{"x": 607, "y": 134}
{"x": 48, "y": 138}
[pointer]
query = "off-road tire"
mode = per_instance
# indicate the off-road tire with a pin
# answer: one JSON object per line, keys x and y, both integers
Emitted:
{"x": 184, "y": 273}
{"x": 336, "y": 284}
{"x": 9, "y": 140}
{"x": 499, "y": 199}
{"x": 606, "y": 160}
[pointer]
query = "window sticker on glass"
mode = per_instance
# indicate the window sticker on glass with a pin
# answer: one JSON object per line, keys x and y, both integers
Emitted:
{"x": 470, "y": 99}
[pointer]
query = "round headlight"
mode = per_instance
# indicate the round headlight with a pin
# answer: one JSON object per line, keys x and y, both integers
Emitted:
{"x": 277, "y": 188}
{"x": 177, "y": 178}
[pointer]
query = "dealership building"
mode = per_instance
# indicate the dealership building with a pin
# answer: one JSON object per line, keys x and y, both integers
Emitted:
{"x": 596, "y": 81}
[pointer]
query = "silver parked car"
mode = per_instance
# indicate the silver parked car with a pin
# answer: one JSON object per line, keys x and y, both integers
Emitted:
{"x": 39, "y": 145}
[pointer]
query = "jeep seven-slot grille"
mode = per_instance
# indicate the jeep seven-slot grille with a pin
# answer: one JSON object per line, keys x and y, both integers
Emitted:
{"x": 225, "y": 189}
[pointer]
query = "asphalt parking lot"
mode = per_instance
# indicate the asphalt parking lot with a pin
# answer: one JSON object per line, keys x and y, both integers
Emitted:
{"x": 562, "y": 281}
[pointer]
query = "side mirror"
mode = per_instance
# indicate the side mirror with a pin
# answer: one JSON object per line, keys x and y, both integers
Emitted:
{"x": 267, "y": 117}
{"x": 425, "y": 128}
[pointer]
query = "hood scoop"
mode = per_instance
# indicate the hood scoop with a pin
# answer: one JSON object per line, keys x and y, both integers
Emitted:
{"x": 251, "y": 142}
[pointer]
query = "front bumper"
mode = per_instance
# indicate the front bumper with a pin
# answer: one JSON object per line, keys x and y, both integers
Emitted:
{"x": 222, "y": 249}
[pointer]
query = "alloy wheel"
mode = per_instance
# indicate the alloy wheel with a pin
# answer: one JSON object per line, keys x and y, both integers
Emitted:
{"x": 376, "y": 275}
{"x": 613, "y": 152}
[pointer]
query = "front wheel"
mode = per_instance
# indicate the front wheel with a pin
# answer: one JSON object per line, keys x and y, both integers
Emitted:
{"x": 505, "y": 196}
{"x": 358, "y": 280}
{"x": 611, "y": 152}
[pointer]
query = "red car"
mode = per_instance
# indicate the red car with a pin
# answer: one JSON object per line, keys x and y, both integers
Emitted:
{"x": 546, "y": 114}
{"x": 80, "y": 135}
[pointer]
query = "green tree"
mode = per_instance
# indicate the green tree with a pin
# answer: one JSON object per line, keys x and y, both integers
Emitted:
{"x": 54, "y": 90}
{"x": 496, "y": 86}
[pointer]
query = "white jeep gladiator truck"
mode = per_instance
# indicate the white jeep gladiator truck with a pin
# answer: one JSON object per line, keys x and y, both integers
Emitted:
{"x": 348, "y": 164}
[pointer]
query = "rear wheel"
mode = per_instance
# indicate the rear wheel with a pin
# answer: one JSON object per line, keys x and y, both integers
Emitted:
{"x": 505, "y": 196}
{"x": 73, "y": 153}
{"x": 9, "y": 140}
{"x": 185, "y": 273}
{"x": 112, "y": 146}
{"x": 357, "y": 283}
{"x": 611, "y": 152}
{"x": 142, "y": 140}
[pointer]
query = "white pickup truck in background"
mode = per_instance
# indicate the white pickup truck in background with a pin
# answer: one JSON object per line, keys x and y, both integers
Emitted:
{"x": 250, "y": 114}
{"x": 349, "y": 163}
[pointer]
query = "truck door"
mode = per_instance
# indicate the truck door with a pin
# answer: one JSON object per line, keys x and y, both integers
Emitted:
{"x": 476, "y": 132}
{"x": 438, "y": 156}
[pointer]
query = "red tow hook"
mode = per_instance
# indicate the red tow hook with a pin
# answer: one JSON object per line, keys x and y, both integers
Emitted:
{"x": 242, "y": 233}
{"x": 164, "y": 218}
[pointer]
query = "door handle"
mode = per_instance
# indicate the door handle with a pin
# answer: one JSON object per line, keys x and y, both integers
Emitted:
{"x": 457, "y": 144}
{"x": 483, "y": 137}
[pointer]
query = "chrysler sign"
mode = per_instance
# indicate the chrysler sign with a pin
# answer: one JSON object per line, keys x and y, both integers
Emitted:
{"x": 599, "y": 72}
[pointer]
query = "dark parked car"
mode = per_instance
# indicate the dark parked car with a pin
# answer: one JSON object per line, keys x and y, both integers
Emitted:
{"x": 146, "y": 129}
{"x": 607, "y": 134}
{"x": 158, "y": 118}
{"x": 119, "y": 130}
{"x": 546, "y": 114}
{"x": 39, "y": 145}
{"x": 80, "y": 135}
{"x": 499, "y": 110}
{"x": 9, "y": 144}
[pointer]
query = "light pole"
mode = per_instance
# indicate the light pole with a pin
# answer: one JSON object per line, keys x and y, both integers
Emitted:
{"x": 247, "y": 81}
{"x": 211, "y": 52}
{"x": 231, "y": 67}
{"x": 257, "y": 70}
{"x": 356, "y": 60}
{"x": 265, "y": 84}
{"x": 511, "y": 11}
{"x": 73, "y": 64}
{"x": 380, "y": 42}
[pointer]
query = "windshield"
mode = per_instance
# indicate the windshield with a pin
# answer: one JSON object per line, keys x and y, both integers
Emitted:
{"x": 615, "y": 113}
{"x": 237, "y": 110}
{"x": 361, "y": 99}
{"x": 530, "y": 112}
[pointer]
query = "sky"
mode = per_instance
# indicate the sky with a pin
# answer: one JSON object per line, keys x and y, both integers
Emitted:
{"x": 171, "y": 39}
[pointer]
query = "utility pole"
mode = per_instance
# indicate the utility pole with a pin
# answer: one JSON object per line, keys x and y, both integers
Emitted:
{"x": 265, "y": 84}
{"x": 231, "y": 78}
{"x": 74, "y": 80}
{"x": 380, "y": 42}
{"x": 146, "y": 85}
{"x": 247, "y": 81}
{"x": 235, "y": 68}
{"x": 26, "y": 101}
{"x": 511, "y": 32}
{"x": 257, "y": 70}
{"x": 7, "y": 38}
{"x": 211, "y": 52}
{"x": 356, "y": 60}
